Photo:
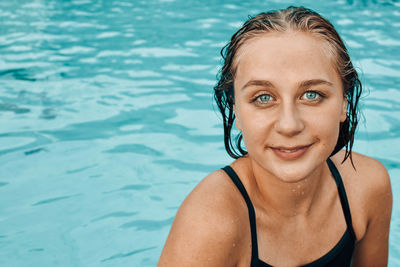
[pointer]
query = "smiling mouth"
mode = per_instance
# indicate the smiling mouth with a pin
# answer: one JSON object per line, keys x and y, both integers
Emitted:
{"x": 290, "y": 153}
{"x": 290, "y": 150}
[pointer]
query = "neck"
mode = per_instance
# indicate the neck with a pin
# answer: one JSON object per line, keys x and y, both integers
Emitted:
{"x": 288, "y": 199}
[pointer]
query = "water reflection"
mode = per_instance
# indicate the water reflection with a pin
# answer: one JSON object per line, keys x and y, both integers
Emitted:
{"x": 111, "y": 101}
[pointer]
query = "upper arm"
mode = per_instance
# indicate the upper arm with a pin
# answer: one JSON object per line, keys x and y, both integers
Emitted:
{"x": 203, "y": 232}
{"x": 372, "y": 249}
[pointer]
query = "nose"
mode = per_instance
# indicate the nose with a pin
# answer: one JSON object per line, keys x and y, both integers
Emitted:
{"x": 289, "y": 122}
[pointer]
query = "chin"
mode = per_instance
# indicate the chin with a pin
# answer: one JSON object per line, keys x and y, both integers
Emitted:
{"x": 291, "y": 175}
{"x": 292, "y": 171}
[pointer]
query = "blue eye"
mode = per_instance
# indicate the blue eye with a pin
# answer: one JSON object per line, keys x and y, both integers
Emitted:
{"x": 264, "y": 98}
{"x": 310, "y": 95}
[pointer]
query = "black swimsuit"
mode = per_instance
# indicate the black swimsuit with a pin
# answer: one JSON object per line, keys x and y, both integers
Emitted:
{"x": 340, "y": 255}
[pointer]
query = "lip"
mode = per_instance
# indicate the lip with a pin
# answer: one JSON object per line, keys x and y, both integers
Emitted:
{"x": 290, "y": 153}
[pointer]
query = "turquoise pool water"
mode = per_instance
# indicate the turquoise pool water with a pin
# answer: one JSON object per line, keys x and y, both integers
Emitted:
{"x": 107, "y": 120}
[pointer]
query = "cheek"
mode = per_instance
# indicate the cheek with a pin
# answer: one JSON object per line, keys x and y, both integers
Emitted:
{"x": 326, "y": 123}
{"x": 255, "y": 127}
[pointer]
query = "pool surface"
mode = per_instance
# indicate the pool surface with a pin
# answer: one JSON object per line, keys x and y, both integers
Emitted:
{"x": 107, "y": 118}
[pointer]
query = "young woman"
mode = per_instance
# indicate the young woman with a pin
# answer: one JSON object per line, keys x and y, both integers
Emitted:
{"x": 293, "y": 197}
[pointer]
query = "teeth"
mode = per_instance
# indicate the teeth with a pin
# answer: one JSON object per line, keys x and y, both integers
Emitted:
{"x": 288, "y": 150}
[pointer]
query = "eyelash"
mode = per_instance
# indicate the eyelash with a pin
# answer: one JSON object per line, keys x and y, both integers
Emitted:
{"x": 257, "y": 101}
{"x": 320, "y": 96}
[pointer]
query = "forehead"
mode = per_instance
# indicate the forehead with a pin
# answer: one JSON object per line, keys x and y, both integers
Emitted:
{"x": 289, "y": 56}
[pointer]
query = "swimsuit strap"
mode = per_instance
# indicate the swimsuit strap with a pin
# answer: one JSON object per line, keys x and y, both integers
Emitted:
{"x": 343, "y": 197}
{"x": 252, "y": 215}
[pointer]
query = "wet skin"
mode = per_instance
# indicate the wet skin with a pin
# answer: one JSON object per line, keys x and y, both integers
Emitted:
{"x": 289, "y": 103}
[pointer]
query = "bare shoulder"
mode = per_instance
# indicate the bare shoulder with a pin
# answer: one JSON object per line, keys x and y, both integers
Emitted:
{"x": 368, "y": 174}
{"x": 207, "y": 227}
{"x": 368, "y": 189}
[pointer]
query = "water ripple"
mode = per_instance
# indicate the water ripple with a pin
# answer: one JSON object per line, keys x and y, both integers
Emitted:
{"x": 115, "y": 215}
{"x": 139, "y": 187}
{"x": 148, "y": 225}
{"x": 135, "y": 148}
{"x": 81, "y": 169}
{"x": 51, "y": 200}
{"x": 121, "y": 91}
{"x": 34, "y": 151}
{"x": 123, "y": 255}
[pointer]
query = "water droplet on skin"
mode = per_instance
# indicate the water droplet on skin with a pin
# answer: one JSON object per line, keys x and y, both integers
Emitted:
{"x": 302, "y": 192}
{"x": 293, "y": 190}
{"x": 233, "y": 245}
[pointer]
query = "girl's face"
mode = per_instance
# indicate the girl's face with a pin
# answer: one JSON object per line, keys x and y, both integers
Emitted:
{"x": 289, "y": 102}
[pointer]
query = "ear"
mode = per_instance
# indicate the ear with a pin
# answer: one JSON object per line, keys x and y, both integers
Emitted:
{"x": 343, "y": 116}
{"x": 237, "y": 122}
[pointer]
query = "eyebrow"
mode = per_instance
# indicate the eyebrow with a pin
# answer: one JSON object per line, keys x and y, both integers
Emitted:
{"x": 303, "y": 84}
